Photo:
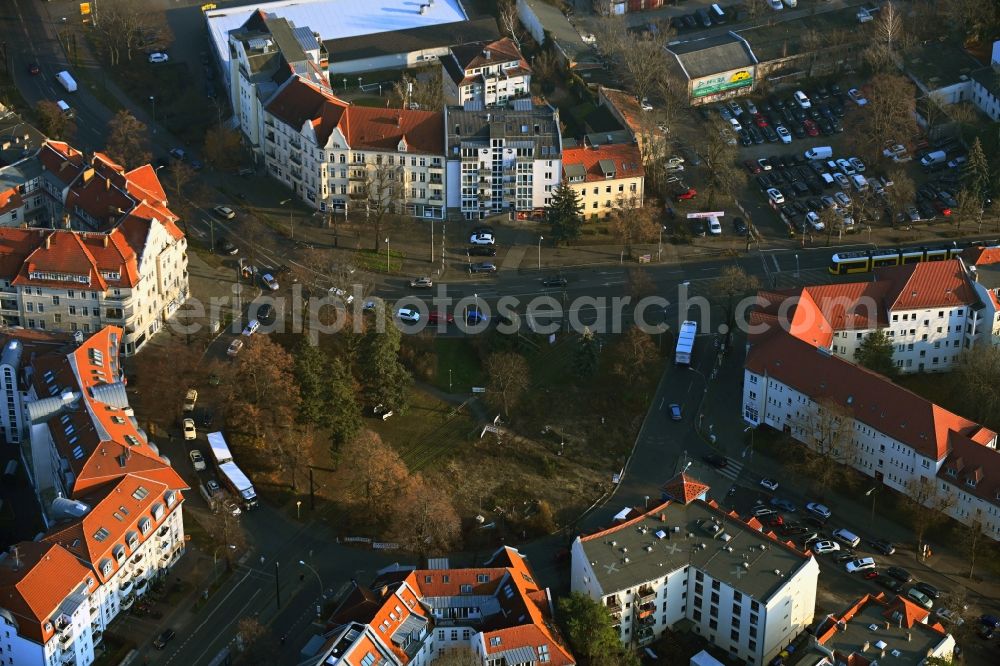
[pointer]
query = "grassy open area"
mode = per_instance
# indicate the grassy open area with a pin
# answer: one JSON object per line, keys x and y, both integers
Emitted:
{"x": 370, "y": 260}
{"x": 458, "y": 367}
{"x": 431, "y": 432}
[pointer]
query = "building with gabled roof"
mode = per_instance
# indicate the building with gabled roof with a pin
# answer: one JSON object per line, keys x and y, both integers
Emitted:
{"x": 931, "y": 311}
{"x": 336, "y": 155}
{"x": 688, "y": 563}
{"x": 605, "y": 177}
{"x": 881, "y": 628}
{"x": 111, "y": 502}
{"x": 715, "y": 67}
{"x": 117, "y": 256}
{"x": 876, "y": 426}
{"x": 411, "y": 616}
{"x": 487, "y": 73}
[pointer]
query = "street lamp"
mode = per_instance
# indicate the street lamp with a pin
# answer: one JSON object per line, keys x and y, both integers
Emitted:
{"x": 298, "y": 509}
{"x": 659, "y": 244}
{"x": 215, "y": 554}
{"x": 796, "y": 265}
{"x": 152, "y": 100}
{"x": 873, "y": 493}
{"x": 291, "y": 227}
{"x": 322, "y": 590}
{"x": 750, "y": 429}
{"x": 386, "y": 255}
{"x": 540, "y": 239}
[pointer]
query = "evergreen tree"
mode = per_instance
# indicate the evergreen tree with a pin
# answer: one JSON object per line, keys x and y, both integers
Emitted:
{"x": 384, "y": 380}
{"x": 565, "y": 213}
{"x": 310, "y": 372}
{"x": 978, "y": 168}
{"x": 587, "y": 626}
{"x": 875, "y": 353}
{"x": 586, "y": 355}
{"x": 342, "y": 415}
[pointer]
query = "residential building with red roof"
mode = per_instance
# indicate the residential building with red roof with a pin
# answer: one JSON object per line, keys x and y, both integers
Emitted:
{"x": 503, "y": 159}
{"x": 687, "y": 563}
{"x": 860, "y": 418}
{"x": 881, "y": 628}
{"x": 625, "y": 108}
{"x": 121, "y": 260}
{"x": 605, "y": 177}
{"x": 487, "y": 73}
{"x": 337, "y": 156}
{"x": 931, "y": 311}
{"x": 984, "y": 268}
{"x": 110, "y": 500}
{"x": 412, "y": 616}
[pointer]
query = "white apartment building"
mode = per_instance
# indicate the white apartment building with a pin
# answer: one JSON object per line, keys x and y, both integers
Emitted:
{"x": 502, "y": 159}
{"x": 111, "y": 501}
{"x": 337, "y": 156}
{"x": 687, "y": 560}
{"x": 129, "y": 271}
{"x": 263, "y": 53}
{"x": 410, "y": 617}
{"x": 487, "y": 73}
{"x": 861, "y": 419}
{"x": 931, "y": 311}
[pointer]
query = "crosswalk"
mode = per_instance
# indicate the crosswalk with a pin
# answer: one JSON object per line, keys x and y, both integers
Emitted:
{"x": 731, "y": 470}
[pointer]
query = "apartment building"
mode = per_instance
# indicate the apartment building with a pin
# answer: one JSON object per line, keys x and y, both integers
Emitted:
{"x": 859, "y": 418}
{"x": 128, "y": 269}
{"x": 337, "y": 156}
{"x": 502, "y": 159}
{"x": 604, "y": 176}
{"x": 111, "y": 502}
{"x": 413, "y": 616}
{"x": 264, "y": 53}
{"x": 687, "y": 562}
{"x": 487, "y": 73}
{"x": 881, "y": 627}
{"x": 984, "y": 270}
{"x": 931, "y": 312}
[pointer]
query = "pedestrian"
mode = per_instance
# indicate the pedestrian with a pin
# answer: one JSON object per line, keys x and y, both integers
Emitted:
{"x": 283, "y": 637}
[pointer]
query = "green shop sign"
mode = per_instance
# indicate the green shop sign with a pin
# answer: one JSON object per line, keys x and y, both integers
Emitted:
{"x": 711, "y": 85}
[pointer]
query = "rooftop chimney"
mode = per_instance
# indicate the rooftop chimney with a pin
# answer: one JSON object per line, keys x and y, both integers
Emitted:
{"x": 48, "y": 241}
{"x": 486, "y": 53}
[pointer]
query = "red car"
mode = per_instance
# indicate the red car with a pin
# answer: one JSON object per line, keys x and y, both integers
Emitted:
{"x": 871, "y": 575}
{"x": 811, "y": 128}
{"x": 941, "y": 208}
{"x": 33, "y": 69}
{"x": 691, "y": 193}
{"x": 761, "y": 120}
{"x": 751, "y": 166}
{"x": 774, "y": 520}
{"x": 434, "y": 317}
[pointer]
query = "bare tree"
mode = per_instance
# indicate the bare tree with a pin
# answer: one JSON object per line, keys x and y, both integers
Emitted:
{"x": 978, "y": 375}
{"x": 222, "y": 148}
{"x": 382, "y": 192}
{"x": 123, "y": 28}
{"x": 610, "y": 36}
{"x": 732, "y": 283}
{"x": 510, "y": 377}
{"x": 926, "y": 504}
{"x": 644, "y": 61}
{"x": 826, "y": 429}
{"x": 375, "y": 480}
{"x": 53, "y": 122}
{"x": 632, "y": 223}
{"x": 721, "y": 160}
{"x": 510, "y": 24}
{"x": 128, "y": 140}
{"x": 889, "y": 25}
{"x": 903, "y": 192}
{"x": 423, "y": 91}
{"x": 426, "y": 521}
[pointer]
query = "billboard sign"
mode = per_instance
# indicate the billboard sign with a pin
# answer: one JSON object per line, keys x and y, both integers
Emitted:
{"x": 716, "y": 83}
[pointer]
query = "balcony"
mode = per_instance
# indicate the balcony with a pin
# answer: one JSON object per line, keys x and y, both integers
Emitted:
{"x": 127, "y": 602}
{"x": 435, "y": 179}
{"x": 141, "y": 586}
{"x": 645, "y": 636}
{"x": 94, "y": 610}
{"x": 125, "y": 589}
{"x": 98, "y": 636}
{"x": 295, "y": 159}
{"x": 359, "y": 176}
{"x": 65, "y": 639}
{"x": 646, "y": 593}
{"x": 68, "y": 658}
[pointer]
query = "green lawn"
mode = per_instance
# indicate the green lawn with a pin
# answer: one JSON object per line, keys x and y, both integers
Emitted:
{"x": 369, "y": 260}
{"x": 458, "y": 368}
{"x": 429, "y": 432}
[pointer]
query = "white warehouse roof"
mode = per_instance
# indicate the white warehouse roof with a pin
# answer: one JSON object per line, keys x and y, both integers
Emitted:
{"x": 336, "y": 19}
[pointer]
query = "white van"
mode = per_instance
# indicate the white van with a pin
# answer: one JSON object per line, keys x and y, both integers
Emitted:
{"x": 718, "y": 15}
{"x": 792, "y": 4}
{"x": 847, "y": 537}
{"x": 66, "y": 109}
{"x": 859, "y": 182}
{"x": 936, "y": 157}
{"x": 819, "y": 153}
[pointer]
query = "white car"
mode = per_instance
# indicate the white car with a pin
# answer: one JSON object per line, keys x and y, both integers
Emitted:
{"x": 894, "y": 151}
{"x": 251, "y": 327}
{"x": 783, "y": 134}
{"x": 736, "y": 125}
{"x": 348, "y": 298}
{"x": 408, "y": 316}
{"x": 776, "y": 5}
{"x": 802, "y": 99}
{"x": 714, "y": 227}
{"x": 197, "y": 460}
{"x": 231, "y": 507}
{"x": 846, "y": 167}
{"x": 842, "y": 198}
{"x": 646, "y": 106}
{"x": 819, "y": 510}
{"x": 482, "y": 238}
{"x": 234, "y": 347}
{"x": 813, "y": 219}
{"x": 921, "y": 598}
{"x": 189, "y": 430}
{"x": 190, "y": 399}
{"x": 770, "y": 484}
{"x": 775, "y": 195}
{"x": 858, "y": 165}
{"x": 824, "y": 547}
{"x": 860, "y": 564}
{"x": 269, "y": 280}
{"x": 225, "y": 212}
{"x": 158, "y": 58}
{"x": 842, "y": 181}
{"x": 856, "y": 95}
{"x": 751, "y": 108}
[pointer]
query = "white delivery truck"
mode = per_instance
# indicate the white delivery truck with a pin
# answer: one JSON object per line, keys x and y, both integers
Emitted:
{"x": 220, "y": 450}
{"x": 66, "y": 81}
{"x": 685, "y": 342}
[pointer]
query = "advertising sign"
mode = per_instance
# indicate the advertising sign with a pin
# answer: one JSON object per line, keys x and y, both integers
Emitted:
{"x": 716, "y": 83}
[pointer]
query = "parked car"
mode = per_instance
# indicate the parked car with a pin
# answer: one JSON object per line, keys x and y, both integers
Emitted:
{"x": 882, "y": 547}
{"x": 819, "y": 510}
{"x": 690, "y": 193}
{"x": 920, "y": 598}
{"x": 252, "y": 326}
{"x": 234, "y": 347}
{"x": 929, "y": 590}
{"x": 775, "y": 195}
{"x": 890, "y": 584}
{"x": 554, "y": 281}
{"x": 675, "y": 412}
{"x": 856, "y": 95}
{"x": 408, "y": 315}
{"x": 825, "y": 547}
{"x": 197, "y": 460}
{"x": 739, "y": 226}
{"x": 714, "y": 226}
{"x": 770, "y": 484}
{"x": 482, "y": 239}
{"x": 225, "y": 246}
{"x": 231, "y": 507}
{"x": 783, "y": 504}
{"x": 189, "y": 430}
{"x": 190, "y": 399}
{"x": 158, "y": 58}
{"x": 783, "y": 134}
{"x": 802, "y": 99}
{"x": 899, "y": 574}
{"x": 225, "y": 212}
{"x": 340, "y": 293}
{"x": 860, "y": 564}
{"x": 165, "y": 637}
{"x": 268, "y": 281}
{"x": 483, "y": 267}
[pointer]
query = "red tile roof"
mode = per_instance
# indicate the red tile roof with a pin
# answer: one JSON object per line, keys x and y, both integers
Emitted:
{"x": 62, "y": 160}
{"x": 625, "y": 156}
{"x": 364, "y": 128}
{"x": 35, "y": 578}
{"x": 980, "y": 255}
{"x": 973, "y": 462}
{"x": 473, "y": 55}
{"x": 873, "y": 400}
{"x": 10, "y": 200}
{"x": 627, "y": 106}
{"x": 929, "y": 284}
{"x": 684, "y": 488}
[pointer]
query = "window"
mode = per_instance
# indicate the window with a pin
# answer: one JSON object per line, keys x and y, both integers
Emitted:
{"x": 734, "y": 635}
{"x": 713, "y": 624}
{"x": 697, "y": 616}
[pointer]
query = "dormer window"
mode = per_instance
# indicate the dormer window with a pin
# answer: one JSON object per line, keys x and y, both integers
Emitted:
{"x": 971, "y": 482}
{"x": 119, "y": 553}
{"x": 170, "y": 496}
{"x": 106, "y": 567}
{"x": 144, "y": 525}
{"x": 951, "y": 471}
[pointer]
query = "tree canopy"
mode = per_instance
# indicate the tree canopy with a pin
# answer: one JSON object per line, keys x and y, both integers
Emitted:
{"x": 875, "y": 353}
{"x": 565, "y": 213}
